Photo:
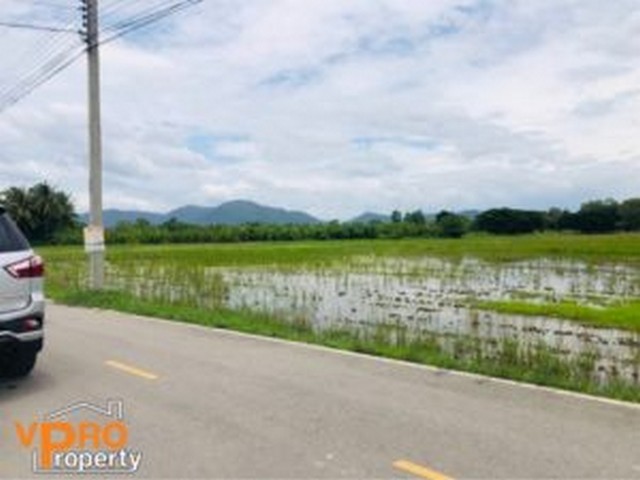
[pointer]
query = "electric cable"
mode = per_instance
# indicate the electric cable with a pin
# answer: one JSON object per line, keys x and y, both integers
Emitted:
{"x": 61, "y": 53}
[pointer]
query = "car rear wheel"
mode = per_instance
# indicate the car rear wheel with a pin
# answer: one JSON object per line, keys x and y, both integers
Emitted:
{"x": 17, "y": 364}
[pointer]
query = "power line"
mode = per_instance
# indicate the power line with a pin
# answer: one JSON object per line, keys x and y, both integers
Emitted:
{"x": 43, "y": 3}
{"x": 28, "y": 26}
{"x": 119, "y": 15}
{"x": 50, "y": 60}
{"x": 51, "y": 50}
{"x": 54, "y": 59}
{"x": 40, "y": 9}
{"x": 53, "y": 64}
{"x": 50, "y": 70}
{"x": 132, "y": 25}
{"x": 115, "y": 7}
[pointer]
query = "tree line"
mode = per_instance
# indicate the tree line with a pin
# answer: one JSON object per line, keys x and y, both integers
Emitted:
{"x": 47, "y": 216}
{"x": 598, "y": 216}
{"x": 41, "y": 211}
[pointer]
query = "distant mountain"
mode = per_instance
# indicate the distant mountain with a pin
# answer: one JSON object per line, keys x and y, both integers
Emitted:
{"x": 235, "y": 213}
{"x": 191, "y": 214}
{"x": 239, "y": 212}
{"x": 369, "y": 217}
{"x": 112, "y": 217}
{"x": 230, "y": 213}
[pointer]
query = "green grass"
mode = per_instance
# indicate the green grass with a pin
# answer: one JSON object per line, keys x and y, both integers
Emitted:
{"x": 537, "y": 365}
{"x": 589, "y": 248}
{"x": 623, "y": 316}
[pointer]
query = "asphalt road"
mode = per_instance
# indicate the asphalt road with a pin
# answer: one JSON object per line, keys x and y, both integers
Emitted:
{"x": 211, "y": 404}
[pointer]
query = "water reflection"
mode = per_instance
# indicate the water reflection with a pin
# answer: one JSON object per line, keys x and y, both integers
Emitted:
{"x": 432, "y": 295}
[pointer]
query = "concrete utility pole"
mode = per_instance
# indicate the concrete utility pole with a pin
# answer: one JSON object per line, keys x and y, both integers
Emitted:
{"x": 94, "y": 234}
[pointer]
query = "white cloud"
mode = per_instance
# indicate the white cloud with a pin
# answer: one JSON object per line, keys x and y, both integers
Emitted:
{"x": 465, "y": 104}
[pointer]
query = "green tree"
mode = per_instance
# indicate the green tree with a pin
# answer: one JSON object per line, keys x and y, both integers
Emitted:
{"x": 16, "y": 201}
{"x": 629, "y": 213}
{"x": 598, "y": 216}
{"x": 396, "y": 216}
{"x": 416, "y": 217}
{"x": 173, "y": 225}
{"x": 508, "y": 221}
{"x": 555, "y": 219}
{"x": 40, "y": 211}
{"x": 450, "y": 225}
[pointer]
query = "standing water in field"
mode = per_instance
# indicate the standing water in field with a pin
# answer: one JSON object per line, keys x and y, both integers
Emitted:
{"x": 416, "y": 298}
{"x": 435, "y": 297}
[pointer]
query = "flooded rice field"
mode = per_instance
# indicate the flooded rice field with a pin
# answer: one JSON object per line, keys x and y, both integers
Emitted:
{"x": 421, "y": 296}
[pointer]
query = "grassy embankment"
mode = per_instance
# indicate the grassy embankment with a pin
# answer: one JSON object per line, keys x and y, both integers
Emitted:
{"x": 535, "y": 364}
{"x": 624, "y": 316}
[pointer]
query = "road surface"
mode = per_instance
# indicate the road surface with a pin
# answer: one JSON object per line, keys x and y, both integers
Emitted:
{"x": 203, "y": 403}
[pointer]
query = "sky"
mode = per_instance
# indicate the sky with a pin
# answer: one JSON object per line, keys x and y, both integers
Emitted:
{"x": 337, "y": 107}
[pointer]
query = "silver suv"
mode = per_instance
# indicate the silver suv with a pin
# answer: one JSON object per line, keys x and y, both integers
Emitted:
{"x": 21, "y": 301}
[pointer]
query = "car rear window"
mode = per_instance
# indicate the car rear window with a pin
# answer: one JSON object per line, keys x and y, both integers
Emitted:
{"x": 11, "y": 238}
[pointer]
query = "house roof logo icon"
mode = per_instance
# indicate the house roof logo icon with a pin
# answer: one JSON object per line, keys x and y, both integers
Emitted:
{"x": 114, "y": 409}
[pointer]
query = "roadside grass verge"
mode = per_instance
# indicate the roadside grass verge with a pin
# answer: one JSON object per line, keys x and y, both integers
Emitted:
{"x": 623, "y": 316}
{"x": 535, "y": 364}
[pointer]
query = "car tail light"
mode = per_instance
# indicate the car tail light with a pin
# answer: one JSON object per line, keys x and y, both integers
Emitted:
{"x": 31, "y": 324}
{"x": 30, "y": 268}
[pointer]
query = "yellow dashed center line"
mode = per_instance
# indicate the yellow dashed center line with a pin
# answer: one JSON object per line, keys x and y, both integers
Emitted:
{"x": 420, "y": 470}
{"x": 132, "y": 370}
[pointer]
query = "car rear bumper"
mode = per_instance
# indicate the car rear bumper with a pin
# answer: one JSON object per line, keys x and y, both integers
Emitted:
{"x": 9, "y": 345}
{"x": 24, "y": 329}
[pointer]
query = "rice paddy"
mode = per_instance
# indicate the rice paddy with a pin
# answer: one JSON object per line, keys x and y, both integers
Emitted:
{"x": 558, "y": 307}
